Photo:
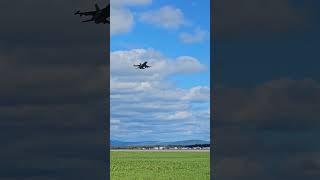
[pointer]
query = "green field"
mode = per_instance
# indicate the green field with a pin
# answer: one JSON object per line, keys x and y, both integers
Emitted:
{"x": 160, "y": 165}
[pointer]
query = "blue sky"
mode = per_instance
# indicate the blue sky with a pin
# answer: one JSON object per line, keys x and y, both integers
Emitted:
{"x": 169, "y": 101}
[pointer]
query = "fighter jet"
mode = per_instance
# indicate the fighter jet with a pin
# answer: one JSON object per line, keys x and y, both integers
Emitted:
{"x": 98, "y": 16}
{"x": 142, "y": 66}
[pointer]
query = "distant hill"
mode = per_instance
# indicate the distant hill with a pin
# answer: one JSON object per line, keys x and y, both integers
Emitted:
{"x": 187, "y": 142}
{"x": 124, "y": 143}
{"x": 116, "y": 143}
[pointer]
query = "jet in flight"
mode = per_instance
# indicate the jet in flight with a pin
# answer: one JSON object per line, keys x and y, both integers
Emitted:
{"x": 98, "y": 16}
{"x": 142, "y": 66}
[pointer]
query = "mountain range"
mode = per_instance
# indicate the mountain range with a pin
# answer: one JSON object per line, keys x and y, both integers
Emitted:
{"x": 116, "y": 143}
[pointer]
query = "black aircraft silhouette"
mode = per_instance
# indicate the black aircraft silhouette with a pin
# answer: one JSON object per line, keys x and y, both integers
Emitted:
{"x": 98, "y": 16}
{"x": 142, "y": 66}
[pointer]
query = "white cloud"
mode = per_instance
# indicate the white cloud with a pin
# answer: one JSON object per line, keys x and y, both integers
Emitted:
{"x": 115, "y": 121}
{"x": 181, "y": 115}
{"x": 167, "y": 17}
{"x": 121, "y": 21}
{"x": 122, "y": 18}
{"x": 188, "y": 64}
{"x": 131, "y": 86}
{"x": 198, "y": 93}
{"x": 150, "y": 106}
{"x": 197, "y": 36}
{"x": 122, "y": 65}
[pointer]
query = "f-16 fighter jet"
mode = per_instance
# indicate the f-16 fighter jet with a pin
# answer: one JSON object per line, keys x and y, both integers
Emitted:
{"x": 98, "y": 16}
{"x": 142, "y": 66}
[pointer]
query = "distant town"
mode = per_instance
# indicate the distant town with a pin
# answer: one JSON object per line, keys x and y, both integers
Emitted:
{"x": 165, "y": 147}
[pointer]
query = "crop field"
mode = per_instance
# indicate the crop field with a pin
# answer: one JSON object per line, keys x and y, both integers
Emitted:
{"x": 160, "y": 165}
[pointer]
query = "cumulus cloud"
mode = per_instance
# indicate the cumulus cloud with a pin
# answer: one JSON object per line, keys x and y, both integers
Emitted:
{"x": 144, "y": 101}
{"x": 162, "y": 67}
{"x": 121, "y": 21}
{"x": 198, "y": 93}
{"x": 180, "y": 115}
{"x": 121, "y": 17}
{"x": 197, "y": 36}
{"x": 167, "y": 17}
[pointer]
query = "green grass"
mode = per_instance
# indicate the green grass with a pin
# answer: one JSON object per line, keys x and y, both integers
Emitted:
{"x": 160, "y": 165}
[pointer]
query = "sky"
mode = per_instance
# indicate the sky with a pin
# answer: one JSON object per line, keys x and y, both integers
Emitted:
{"x": 169, "y": 101}
{"x": 54, "y": 71}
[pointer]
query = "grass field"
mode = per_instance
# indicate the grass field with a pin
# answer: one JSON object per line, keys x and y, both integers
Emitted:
{"x": 160, "y": 165}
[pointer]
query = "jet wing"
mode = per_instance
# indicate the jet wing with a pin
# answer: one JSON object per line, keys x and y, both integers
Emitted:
{"x": 86, "y": 13}
{"x": 89, "y": 13}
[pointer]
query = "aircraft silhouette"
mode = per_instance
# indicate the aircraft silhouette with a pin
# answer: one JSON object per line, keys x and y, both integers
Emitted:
{"x": 142, "y": 66}
{"x": 98, "y": 16}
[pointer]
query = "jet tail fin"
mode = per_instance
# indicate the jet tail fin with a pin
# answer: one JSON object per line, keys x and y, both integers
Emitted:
{"x": 97, "y": 7}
